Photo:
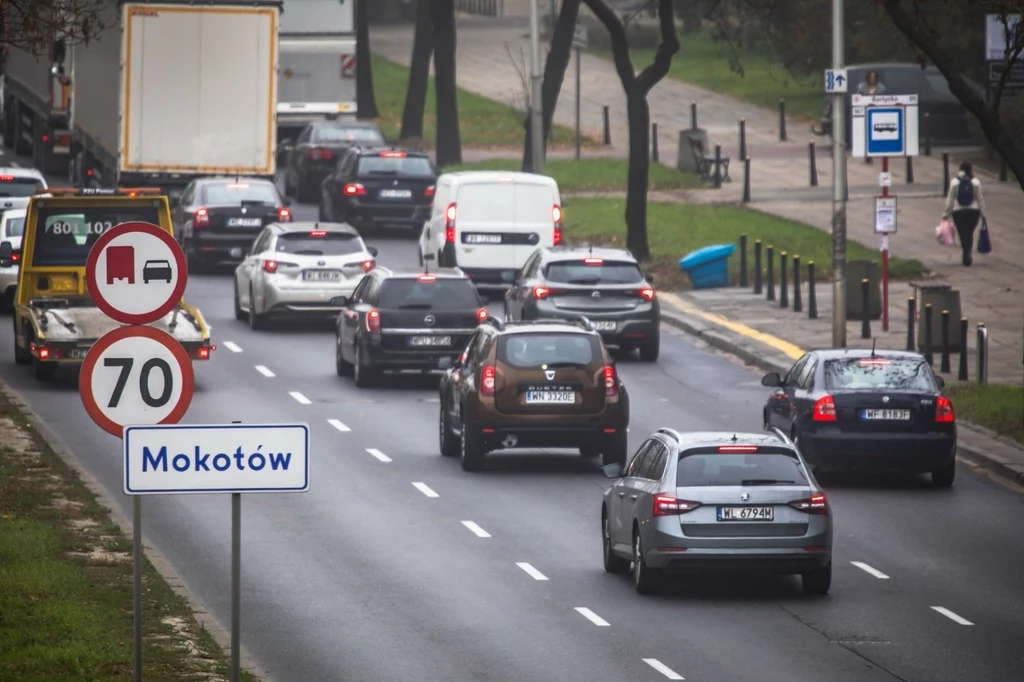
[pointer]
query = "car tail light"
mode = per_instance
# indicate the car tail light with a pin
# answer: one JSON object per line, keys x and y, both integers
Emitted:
{"x": 44, "y": 353}
{"x": 6, "y": 178}
{"x": 320, "y": 154}
{"x": 449, "y": 235}
{"x": 373, "y": 320}
{"x": 556, "y": 218}
{"x": 611, "y": 385}
{"x": 487, "y": 382}
{"x": 284, "y": 215}
{"x": 427, "y": 278}
{"x": 429, "y": 192}
{"x": 449, "y": 223}
{"x": 482, "y": 315}
{"x": 354, "y": 189}
{"x": 393, "y": 155}
{"x": 815, "y": 504}
{"x": 204, "y": 353}
{"x": 825, "y": 410}
{"x": 669, "y": 505}
{"x": 201, "y": 218}
{"x": 647, "y": 293}
{"x": 369, "y": 265}
{"x": 737, "y": 449}
{"x": 593, "y": 261}
{"x": 874, "y": 362}
{"x": 15, "y": 257}
{"x": 944, "y": 410}
{"x": 270, "y": 266}
{"x": 318, "y": 233}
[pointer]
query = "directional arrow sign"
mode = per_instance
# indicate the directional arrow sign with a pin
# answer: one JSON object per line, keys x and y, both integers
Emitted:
{"x": 835, "y": 81}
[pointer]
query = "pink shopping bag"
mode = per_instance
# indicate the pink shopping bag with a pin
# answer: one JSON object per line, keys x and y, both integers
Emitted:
{"x": 944, "y": 232}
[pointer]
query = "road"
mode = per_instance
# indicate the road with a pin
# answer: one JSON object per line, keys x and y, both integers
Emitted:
{"x": 399, "y": 565}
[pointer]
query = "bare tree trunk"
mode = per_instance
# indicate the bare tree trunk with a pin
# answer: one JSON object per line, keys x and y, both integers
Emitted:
{"x": 419, "y": 73}
{"x": 366, "y": 102}
{"x": 554, "y": 74}
{"x": 449, "y": 142}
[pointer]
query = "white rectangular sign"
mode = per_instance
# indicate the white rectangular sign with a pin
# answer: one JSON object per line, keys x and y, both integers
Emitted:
{"x": 884, "y": 125}
{"x": 885, "y": 215}
{"x": 216, "y": 458}
{"x": 581, "y": 37}
{"x": 836, "y": 81}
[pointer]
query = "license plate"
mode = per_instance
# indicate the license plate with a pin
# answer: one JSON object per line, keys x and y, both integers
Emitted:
{"x": 76, "y": 353}
{"x": 396, "y": 194}
{"x": 421, "y": 341}
{"x": 483, "y": 238}
{"x": 551, "y": 397}
{"x": 887, "y": 415}
{"x": 321, "y": 275}
{"x": 604, "y": 325}
{"x": 746, "y": 513}
{"x": 245, "y": 222}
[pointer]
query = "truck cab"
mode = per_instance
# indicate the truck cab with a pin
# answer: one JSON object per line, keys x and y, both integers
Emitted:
{"x": 56, "y": 320}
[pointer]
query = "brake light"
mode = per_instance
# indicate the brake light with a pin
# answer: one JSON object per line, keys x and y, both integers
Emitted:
{"x": 944, "y": 410}
{"x": 354, "y": 189}
{"x": 270, "y": 266}
{"x": 284, "y": 215}
{"x": 669, "y": 505}
{"x": 44, "y": 353}
{"x": 593, "y": 261}
{"x": 487, "y": 383}
{"x": 556, "y": 218}
{"x": 815, "y": 504}
{"x": 6, "y": 178}
{"x": 320, "y": 154}
{"x": 201, "y": 218}
{"x": 482, "y": 315}
{"x": 393, "y": 155}
{"x": 873, "y": 362}
{"x": 427, "y": 278}
{"x": 558, "y": 235}
{"x": 647, "y": 293}
{"x": 736, "y": 449}
{"x": 318, "y": 233}
{"x": 611, "y": 385}
{"x": 15, "y": 257}
{"x": 204, "y": 353}
{"x": 825, "y": 410}
{"x": 429, "y": 192}
{"x": 369, "y": 265}
{"x": 541, "y": 292}
{"x": 373, "y": 320}
{"x": 449, "y": 235}
{"x": 45, "y": 138}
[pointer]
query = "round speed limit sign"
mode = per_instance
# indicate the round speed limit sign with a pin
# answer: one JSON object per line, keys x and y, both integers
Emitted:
{"x": 136, "y": 375}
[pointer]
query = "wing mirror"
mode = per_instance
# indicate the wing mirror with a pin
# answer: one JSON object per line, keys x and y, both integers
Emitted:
{"x": 6, "y": 253}
{"x": 938, "y": 380}
{"x": 649, "y": 276}
{"x": 771, "y": 380}
{"x": 372, "y": 250}
{"x": 613, "y": 470}
{"x": 286, "y": 201}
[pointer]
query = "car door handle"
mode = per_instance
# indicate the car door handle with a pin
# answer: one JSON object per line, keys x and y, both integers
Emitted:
{"x": 632, "y": 497}
{"x": 622, "y": 494}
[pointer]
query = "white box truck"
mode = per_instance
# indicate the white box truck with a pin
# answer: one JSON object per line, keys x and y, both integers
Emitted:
{"x": 175, "y": 91}
{"x": 35, "y": 106}
{"x": 318, "y": 64}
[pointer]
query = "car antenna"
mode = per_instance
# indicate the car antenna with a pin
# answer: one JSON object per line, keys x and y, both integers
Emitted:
{"x": 873, "y": 342}
{"x": 734, "y": 439}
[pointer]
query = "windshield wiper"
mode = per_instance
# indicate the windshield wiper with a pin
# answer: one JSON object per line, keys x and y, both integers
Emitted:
{"x": 383, "y": 172}
{"x": 566, "y": 365}
{"x": 585, "y": 280}
{"x": 765, "y": 481}
{"x": 308, "y": 252}
{"x": 415, "y": 306}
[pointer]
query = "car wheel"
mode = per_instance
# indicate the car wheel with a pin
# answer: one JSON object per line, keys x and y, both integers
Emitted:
{"x": 944, "y": 477}
{"x": 818, "y": 581}
{"x": 342, "y": 366}
{"x": 650, "y": 348}
{"x": 471, "y": 451}
{"x": 615, "y": 449}
{"x": 590, "y": 450}
{"x": 363, "y": 374}
{"x": 240, "y": 314}
{"x": 256, "y": 321}
{"x": 448, "y": 445}
{"x": 645, "y": 578}
{"x": 613, "y": 563}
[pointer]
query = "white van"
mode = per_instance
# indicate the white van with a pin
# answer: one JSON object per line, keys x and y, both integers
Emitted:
{"x": 489, "y": 222}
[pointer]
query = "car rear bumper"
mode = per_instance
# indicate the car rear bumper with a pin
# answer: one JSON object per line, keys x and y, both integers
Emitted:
{"x": 784, "y": 561}
{"x": 910, "y": 453}
{"x": 386, "y": 215}
{"x": 496, "y": 436}
{"x": 74, "y": 352}
{"x": 491, "y": 276}
{"x": 396, "y": 360}
{"x": 222, "y": 247}
{"x": 326, "y": 300}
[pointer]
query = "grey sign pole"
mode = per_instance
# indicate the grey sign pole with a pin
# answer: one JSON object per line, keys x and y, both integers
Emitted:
{"x": 838, "y": 186}
{"x": 236, "y": 587}
{"x": 137, "y": 582}
{"x": 578, "y": 90}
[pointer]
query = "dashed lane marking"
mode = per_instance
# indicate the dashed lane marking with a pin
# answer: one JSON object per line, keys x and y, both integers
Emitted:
{"x": 379, "y": 455}
{"x": 301, "y": 399}
{"x": 338, "y": 425}
{"x": 425, "y": 489}
{"x": 532, "y": 572}
{"x": 592, "y": 617}
{"x": 952, "y": 616}
{"x": 264, "y": 371}
{"x": 870, "y": 570}
{"x": 663, "y": 669}
{"x": 232, "y": 346}
{"x": 476, "y": 530}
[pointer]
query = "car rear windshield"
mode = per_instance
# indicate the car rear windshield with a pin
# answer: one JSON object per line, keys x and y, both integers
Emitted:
{"x": 12, "y": 186}
{"x": 330, "y": 134}
{"x": 721, "y": 469}
{"x": 530, "y": 351}
{"x": 15, "y": 227}
{"x": 408, "y": 166}
{"x": 63, "y": 237}
{"x": 866, "y": 374}
{"x": 329, "y": 244}
{"x": 234, "y": 193}
{"x": 438, "y": 294}
{"x": 597, "y": 271}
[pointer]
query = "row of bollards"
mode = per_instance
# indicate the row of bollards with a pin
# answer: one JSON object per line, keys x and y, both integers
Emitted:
{"x": 981, "y": 371}
{"x": 764, "y": 262}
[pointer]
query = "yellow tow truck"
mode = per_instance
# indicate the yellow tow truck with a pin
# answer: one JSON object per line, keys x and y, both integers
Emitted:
{"x": 56, "y": 320}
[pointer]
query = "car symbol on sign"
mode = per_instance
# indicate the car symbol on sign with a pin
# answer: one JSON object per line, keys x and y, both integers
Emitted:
{"x": 156, "y": 270}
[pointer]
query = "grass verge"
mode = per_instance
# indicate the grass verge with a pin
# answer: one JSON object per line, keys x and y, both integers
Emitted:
{"x": 676, "y": 229}
{"x": 591, "y": 174}
{"x": 993, "y": 406}
{"x": 483, "y": 123}
{"x": 66, "y": 581}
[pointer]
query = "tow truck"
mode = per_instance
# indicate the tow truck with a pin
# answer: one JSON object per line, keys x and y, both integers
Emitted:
{"x": 56, "y": 320}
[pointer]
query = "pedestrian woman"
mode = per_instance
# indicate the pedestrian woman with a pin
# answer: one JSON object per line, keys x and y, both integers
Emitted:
{"x": 871, "y": 85}
{"x": 965, "y": 205}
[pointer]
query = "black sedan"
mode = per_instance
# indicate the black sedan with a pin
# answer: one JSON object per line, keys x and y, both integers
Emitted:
{"x": 851, "y": 409}
{"x": 315, "y": 153}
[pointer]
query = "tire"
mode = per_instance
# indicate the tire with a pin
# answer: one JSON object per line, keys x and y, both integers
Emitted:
{"x": 818, "y": 581}
{"x": 613, "y": 563}
{"x": 944, "y": 477}
{"x": 44, "y": 371}
{"x": 342, "y": 366}
{"x": 471, "y": 452}
{"x": 650, "y": 349}
{"x": 22, "y": 356}
{"x": 590, "y": 451}
{"x": 256, "y": 321}
{"x": 448, "y": 444}
{"x": 615, "y": 450}
{"x": 364, "y": 375}
{"x": 645, "y": 578}
{"x": 240, "y": 314}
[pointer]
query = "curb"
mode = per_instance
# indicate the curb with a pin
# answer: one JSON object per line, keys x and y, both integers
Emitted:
{"x": 162, "y": 565}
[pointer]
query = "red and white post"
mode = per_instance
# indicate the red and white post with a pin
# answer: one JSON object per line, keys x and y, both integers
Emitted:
{"x": 886, "y": 182}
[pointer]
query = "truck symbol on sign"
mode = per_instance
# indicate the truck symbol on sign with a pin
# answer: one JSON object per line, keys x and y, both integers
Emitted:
{"x": 121, "y": 263}
{"x": 885, "y": 128}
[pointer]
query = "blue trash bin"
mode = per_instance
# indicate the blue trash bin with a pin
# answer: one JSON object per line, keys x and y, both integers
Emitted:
{"x": 708, "y": 267}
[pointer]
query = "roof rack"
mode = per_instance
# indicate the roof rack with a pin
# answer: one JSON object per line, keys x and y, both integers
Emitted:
{"x": 670, "y": 432}
{"x": 131, "y": 192}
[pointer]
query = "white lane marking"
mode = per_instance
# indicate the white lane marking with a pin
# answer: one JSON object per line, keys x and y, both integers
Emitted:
{"x": 663, "y": 669}
{"x": 264, "y": 371}
{"x": 476, "y": 530}
{"x": 379, "y": 455}
{"x": 233, "y": 347}
{"x": 425, "y": 489}
{"x": 592, "y": 617}
{"x": 300, "y": 398}
{"x": 952, "y": 616}
{"x": 338, "y": 425}
{"x": 532, "y": 572}
{"x": 870, "y": 570}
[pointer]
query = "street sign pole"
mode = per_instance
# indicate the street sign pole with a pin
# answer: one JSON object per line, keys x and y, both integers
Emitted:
{"x": 137, "y": 586}
{"x": 886, "y": 181}
{"x": 838, "y": 184}
{"x": 578, "y": 91}
{"x": 236, "y": 587}
{"x": 536, "y": 97}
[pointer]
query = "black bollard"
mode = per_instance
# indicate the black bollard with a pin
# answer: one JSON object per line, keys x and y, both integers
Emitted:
{"x": 607, "y": 125}
{"x": 693, "y": 115}
{"x": 770, "y": 254}
{"x": 926, "y": 124}
{"x": 865, "y": 323}
{"x": 783, "y": 284}
{"x": 654, "y": 143}
{"x": 743, "y": 260}
{"x": 746, "y": 180}
{"x": 814, "y": 164}
{"x": 944, "y": 364}
{"x": 928, "y": 318}
{"x": 910, "y": 170}
{"x": 1002, "y": 171}
{"x": 782, "y": 120}
{"x": 812, "y": 298}
{"x": 718, "y": 166}
{"x": 945, "y": 172}
{"x": 982, "y": 373}
{"x": 743, "y": 138}
{"x": 757, "y": 267}
{"x": 911, "y": 319}
{"x": 798, "y": 302}
{"x": 962, "y": 375}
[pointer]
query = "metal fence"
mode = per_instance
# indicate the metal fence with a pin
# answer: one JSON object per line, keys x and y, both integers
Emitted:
{"x": 484, "y": 8}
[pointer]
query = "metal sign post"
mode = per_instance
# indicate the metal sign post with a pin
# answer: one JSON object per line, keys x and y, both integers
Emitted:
{"x": 580, "y": 40}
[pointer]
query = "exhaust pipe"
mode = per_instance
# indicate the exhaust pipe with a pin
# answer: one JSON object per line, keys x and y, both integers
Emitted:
{"x": 510, "y": 441}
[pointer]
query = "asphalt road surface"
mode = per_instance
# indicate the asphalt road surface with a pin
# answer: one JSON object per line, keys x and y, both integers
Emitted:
{"x": 398, "y": 565}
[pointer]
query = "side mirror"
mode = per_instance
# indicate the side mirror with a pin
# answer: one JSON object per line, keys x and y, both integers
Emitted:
{"x": 342, "y": 300}
{"x": 649, "y": 276}
{"x": 372, "y": 250}
{"x": 771, "y": 380}
{"x": 613, "y": 470}
{"x": 286, "y": 201}
{"x": 6, "y": 251}
{"x": 938, "y": 380}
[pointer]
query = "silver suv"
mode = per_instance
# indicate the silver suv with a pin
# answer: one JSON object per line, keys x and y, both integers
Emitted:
{"x": 690, "y": 502}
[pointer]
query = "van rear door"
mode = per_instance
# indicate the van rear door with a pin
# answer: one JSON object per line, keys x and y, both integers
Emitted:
{"x": 534, "y": 219}
{"x": 484, "y": 225}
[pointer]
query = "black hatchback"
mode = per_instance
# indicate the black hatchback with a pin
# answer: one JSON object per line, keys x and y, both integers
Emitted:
{"x": 857, "y": 409}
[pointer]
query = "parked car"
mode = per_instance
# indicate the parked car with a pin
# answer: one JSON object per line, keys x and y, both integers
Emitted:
{"x": 313, "y": 155}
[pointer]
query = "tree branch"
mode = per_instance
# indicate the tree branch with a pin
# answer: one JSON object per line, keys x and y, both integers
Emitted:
{"x": 1014, "y": 47}
{"x": 35, "y": 25}
{"x": 617, "y": 34}
{"x": 669, "y": 46}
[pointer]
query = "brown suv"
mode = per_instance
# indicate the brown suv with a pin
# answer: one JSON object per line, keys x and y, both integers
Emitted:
{"x": 539, "y": 384}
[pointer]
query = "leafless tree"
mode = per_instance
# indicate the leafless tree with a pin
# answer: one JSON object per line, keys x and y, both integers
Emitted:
{"x": 37, "y": 25}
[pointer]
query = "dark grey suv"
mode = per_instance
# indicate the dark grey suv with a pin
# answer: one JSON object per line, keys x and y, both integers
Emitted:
{"x": 606, "y": 285}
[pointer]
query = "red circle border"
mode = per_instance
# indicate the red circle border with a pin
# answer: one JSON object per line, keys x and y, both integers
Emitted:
{"x": 94, "y": 256}
{"x": 119, "y": 334}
